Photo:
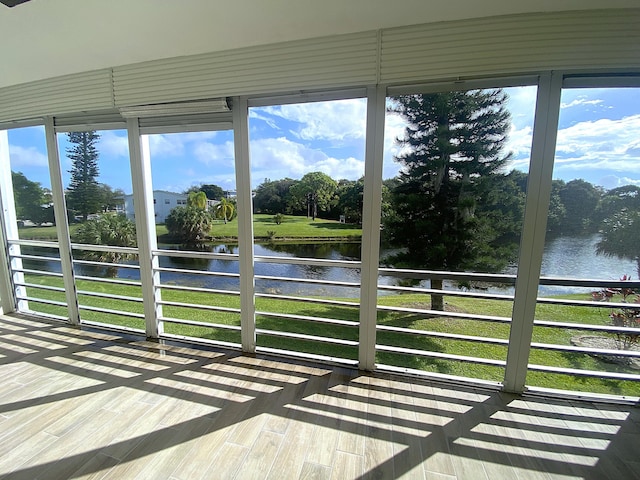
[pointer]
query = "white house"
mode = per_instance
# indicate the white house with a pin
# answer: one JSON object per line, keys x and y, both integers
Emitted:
{"x": 163, "y": 203}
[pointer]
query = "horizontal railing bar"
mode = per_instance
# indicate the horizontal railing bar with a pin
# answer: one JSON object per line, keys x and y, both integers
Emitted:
{"x": 164, "y": 286}
{"x": 105, "y": 248}
{"x": 307, "y": 280}
{"x": 439, "y": 313}
{"x": 196, "y": 272}
{"x": 206, "y": 255}
{"x": 114, "y": 281}
{"x": 110, "y": 311}
{"x": 196, "y": 323}
{"x": 34, "y": 243}
{"x": 307, "y": 356}
{"x": 583, "y": 373}
{"x": 37, "y": 258}
{"x": 444, "y": 356}
{"x": 311, "y": 338}
{"x": 446, "y": 293}
{"x": 110, "y": 296}
{"x": 316, "y": 262}
{"x": 199, "y": 307}
{"x": 588, "y": 283}
{"x": 106, "y": 264}
{"x": 450, "y": 336}
{"x": 587, "y": 303}
{"x": 36, "y": 272}
{"x": 587, "y": 350}
{"x": 40, "y": 287}
{"x": 328, "y": 321}
{"x": 41, "y": 300}
{"x": 585, "y": 326}
{"x": 307, "y": 299}
{"x": 441, "y": 275}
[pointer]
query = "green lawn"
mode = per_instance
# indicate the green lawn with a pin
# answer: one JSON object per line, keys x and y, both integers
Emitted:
{"x": 417, "y": 322}
{"x": 292, "y": 228}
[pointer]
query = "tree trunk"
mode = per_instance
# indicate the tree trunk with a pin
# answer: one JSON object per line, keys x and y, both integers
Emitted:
{"x": 437, "y": 300}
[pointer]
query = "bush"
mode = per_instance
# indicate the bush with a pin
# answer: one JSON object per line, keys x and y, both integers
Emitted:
{"x": 189, "y": 225}
{"x": 278, "y": 218}
{"x": 107, "y": 229}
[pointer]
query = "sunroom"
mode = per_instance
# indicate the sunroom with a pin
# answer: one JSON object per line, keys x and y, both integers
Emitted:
{"x": 270, "y": 352}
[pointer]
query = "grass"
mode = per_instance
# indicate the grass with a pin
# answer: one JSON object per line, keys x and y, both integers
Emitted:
{"x": 412, "y": 321}
{"x": 292, "y": 228}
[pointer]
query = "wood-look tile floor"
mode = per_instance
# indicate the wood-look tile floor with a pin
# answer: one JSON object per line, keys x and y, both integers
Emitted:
{"x": 87, "y": 404}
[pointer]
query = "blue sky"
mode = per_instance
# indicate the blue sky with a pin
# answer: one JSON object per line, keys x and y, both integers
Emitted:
{"x": 598, "y": 140}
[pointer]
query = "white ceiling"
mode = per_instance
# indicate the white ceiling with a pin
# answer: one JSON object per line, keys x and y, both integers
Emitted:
{"x": 48, "y": 38}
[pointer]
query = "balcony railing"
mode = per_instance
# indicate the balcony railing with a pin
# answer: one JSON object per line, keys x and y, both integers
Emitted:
{"x": 295, "y": 316}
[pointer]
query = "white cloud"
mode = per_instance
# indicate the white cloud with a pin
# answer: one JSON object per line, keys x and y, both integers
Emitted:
{"x": 215, "y": 155}
{"x": 277, "y": 158}
{"x": 602, "y": 144}
{"x": 336, "y": 120}
{"x": 614, "y": 181}
{"x": 165, "y": 145}
{"x": 254, "y": 113}
{"x": 26, "y": 157}
{"x": 582, "y": 100}
{"x": 519, "y": 142}
{"x": 112, "y": 144}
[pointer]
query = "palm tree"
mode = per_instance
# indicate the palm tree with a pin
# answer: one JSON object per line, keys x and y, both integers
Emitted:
{"x": 224, "y": 210}
{"x": 107, "y": 229}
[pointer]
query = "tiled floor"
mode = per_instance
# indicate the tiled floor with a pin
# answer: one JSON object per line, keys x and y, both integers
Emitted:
{"x": 86, "y": 404}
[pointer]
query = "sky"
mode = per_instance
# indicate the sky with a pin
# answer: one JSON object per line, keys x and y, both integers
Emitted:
{"x": 598, "y": 141}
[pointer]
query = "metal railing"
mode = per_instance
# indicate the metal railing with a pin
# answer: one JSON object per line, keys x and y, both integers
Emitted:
{"x": 468, "y": 340}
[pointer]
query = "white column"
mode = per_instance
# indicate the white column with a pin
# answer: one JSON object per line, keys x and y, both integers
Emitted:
{"x": 371, "y": 216}
{"x": 534, "y": 230}
{"x": 245, "y": 223}
{"x": 145, "y": 227}
{"x": 9, "y": 231}
{"x": 62, "y": 226}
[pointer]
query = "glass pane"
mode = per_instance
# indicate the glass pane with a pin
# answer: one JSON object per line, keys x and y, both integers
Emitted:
{"x": 194, "y": 196}
{"x": 31, "y": 183}
{"x": 307, "y": 167}
{"x": 591, "y": 243}
{"x": 41, "y": 281}
{"x": 97, "y": 176}
{"x": 455, "y": 174}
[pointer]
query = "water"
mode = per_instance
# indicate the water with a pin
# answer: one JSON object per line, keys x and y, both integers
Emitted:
{"x": 571, "y": 257}
{"x": 575, "y": 257}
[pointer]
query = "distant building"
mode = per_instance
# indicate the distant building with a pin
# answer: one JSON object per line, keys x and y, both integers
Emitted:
{"x": 163, "y": 203}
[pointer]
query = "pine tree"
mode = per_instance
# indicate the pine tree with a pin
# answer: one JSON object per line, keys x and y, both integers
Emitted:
{"x": 83, "y": 194}
{"x": 452, "y": 148}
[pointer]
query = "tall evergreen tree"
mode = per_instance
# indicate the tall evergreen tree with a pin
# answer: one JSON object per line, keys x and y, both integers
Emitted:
{"x": 452, "y": 147}
{"x": 84, "y": 193}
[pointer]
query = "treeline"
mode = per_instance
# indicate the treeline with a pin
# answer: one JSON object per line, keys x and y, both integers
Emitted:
{"x": 315, "y": 194}
{"x": 576, "y": 207}
{"x": 34, "y": 202}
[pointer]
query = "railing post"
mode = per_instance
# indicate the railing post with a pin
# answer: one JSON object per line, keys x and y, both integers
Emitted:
{"x": 9, "y": 226}
{"x": 62, "y": 225}
{"x": 140, "y": 159}
{"x": 371, "y": 214}
{"x": 534, "y": 230}
{"x": 245, "y": 223}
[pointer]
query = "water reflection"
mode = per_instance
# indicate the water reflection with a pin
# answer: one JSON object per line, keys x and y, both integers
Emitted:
{"x": 570, "y": 257}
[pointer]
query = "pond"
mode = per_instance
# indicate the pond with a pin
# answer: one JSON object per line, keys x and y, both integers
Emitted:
{"x": 571, "y": 257}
